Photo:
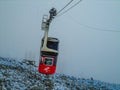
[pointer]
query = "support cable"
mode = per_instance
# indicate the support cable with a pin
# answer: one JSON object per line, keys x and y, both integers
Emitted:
{"x": 94, "y": 28}
{"x": 65, "y": 6}
{"x": 70, "y": 8}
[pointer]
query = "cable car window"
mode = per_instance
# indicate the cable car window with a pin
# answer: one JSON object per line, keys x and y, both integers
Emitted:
{"x": 48, "y": 61}
{"x": 52, "y": 45}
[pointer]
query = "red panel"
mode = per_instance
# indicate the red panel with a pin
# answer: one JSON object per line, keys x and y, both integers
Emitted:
{"x": 44, "y": 69}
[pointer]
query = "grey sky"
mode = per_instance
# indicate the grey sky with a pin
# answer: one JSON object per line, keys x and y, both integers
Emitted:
{"x": 86, "y": 50}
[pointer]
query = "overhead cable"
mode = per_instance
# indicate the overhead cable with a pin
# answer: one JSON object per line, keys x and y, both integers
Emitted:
{"x": 70, "y": 8}
{"x": 65, "y": 6}
{"x": 94, "y": 28}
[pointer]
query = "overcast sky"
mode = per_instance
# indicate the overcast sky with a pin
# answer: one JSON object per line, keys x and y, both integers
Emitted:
{"x": 89, "y": 35}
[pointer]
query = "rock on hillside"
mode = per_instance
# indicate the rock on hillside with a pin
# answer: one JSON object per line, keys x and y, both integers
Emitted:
{"x": 16, "y": 75}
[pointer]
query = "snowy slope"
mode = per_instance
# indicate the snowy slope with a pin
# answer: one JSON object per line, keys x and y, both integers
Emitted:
{"x": 15, "y": 75}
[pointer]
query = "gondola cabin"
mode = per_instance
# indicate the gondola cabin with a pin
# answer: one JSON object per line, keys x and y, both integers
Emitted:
{"x": 48, "y": 56}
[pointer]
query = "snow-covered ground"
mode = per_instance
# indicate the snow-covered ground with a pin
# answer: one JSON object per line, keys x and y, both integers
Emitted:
{"x": 16, "y": 75}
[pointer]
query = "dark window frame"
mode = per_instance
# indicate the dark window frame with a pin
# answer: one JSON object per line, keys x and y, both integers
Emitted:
{"x": 49, "y": 58}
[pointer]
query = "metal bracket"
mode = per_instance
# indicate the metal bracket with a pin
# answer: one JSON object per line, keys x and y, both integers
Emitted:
{"x": 44, "y": 25}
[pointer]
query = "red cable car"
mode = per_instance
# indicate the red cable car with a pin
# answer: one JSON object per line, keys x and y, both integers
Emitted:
{"x": 49, "y": 53}
{"x": 49, "y": 47}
